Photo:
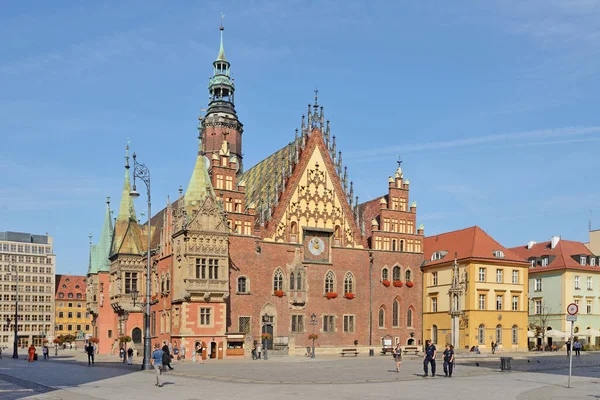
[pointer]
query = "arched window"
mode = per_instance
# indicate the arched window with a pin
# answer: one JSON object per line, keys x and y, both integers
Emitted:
{"x": 162, "y": 284}
{"x": 396, "y": 273}
{"x": 70, "y": 295}
{"x": 481, "y": 334}
{"x": 294, "y": 232}
{"x": 349, "y": 283}
{"x": 407, "y": 275}
{"x": 381, "y": 318}
{"x": 242, "y": 284}
{"x": 168, "y": 284}
{"x": 395, "y": 313}
{"x": 292, "y": 281}
{"x": 278, "y": 280}
{"x": 401, "y": 245}
{"x": 409, "y": 317}
{"x": 394, "y": 241}
{"x": 384, "y": 274}
{"x": 498, "y": 334}
{"x": 136, "y": 335}
{"x": 298, "y": 280}
{"x": 515, "y": 334}
{"x": 329, "y": 282}
{"x": 337, "y": 236}
{"x": 61, "y": 295}
{"x": 78, "y": 295}
{"x": 434, "y": 335}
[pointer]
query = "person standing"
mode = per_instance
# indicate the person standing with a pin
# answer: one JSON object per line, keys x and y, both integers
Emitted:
{"x": 182, "y": 350}
{"x": 397, "y": 353}
{"x": 176, "y": 351}
{"x": 493, "y": 347}
{"x": 577, "y": 347}
{"x": 199, "y": 351}
{"x": 258, "y": 350}
{"x": 31, "y": 353}
{"x": 89, "y": 349}
{"x": 430, "y": 353}
{"x": 45, "y": 352}
{"x": 156, "y": 361}
{"x": 448, "y": 360}
{"x": 166, "y": 360}
{"x": 568, "y": 347}
{"x": 130, "y": 356}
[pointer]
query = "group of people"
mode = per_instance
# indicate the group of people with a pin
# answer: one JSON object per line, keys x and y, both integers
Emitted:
{"x": 576, "y": 347}
{"x": 257, "y": 351}
{"x": 429, "y": 359}
{"x": 32, "y": 354}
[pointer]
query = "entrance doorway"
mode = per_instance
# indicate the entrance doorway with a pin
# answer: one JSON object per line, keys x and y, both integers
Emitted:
{"x": 268, "y": 328}
{"x": 136, "y": 336}
{"x": 213, "y": 349}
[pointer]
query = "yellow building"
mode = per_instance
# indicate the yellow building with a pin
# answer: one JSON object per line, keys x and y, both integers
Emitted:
{"x": 490, "y": 283}
{"x": 71, "y": 315}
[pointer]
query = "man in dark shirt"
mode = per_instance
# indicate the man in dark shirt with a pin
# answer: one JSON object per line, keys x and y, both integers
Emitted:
{"x": 166, "y": 357}
{"x": 448, "y": 360}
{"x": 430, "y": 353}
{"x": 89, "y": 349}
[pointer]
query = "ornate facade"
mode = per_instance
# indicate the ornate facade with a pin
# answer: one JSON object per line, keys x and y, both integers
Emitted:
{"x": 244, "y": 253}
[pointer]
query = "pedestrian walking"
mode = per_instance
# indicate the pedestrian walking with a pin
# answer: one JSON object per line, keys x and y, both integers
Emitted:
{"x": 568, "y": 347}
{"x": 577, "y": 347}
{"x": 182, "y": 350}
{"x": 254, "y": 351}
{"x": 397, "y": 353}
{"x": 45, "y": 352}
{"x": 493, "y": 347}
{"x": 122, "y": 354}
{"x": 199, "y": 353}
{"x": 430, "y": 353}
{"x": 166, "y": 360}
{"x": 176, "y": 351}
{"x": 448, "y": 360}
{"x": 130, "y": 356}
{"x": 258, "y": 350}
{"x": 31, "y": 353}
{"x": 89, "y": 349}
{"x": 156, "y": 361}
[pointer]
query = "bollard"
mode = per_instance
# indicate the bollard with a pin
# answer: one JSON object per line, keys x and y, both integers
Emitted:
{"x": 505, "y": 363}
{"x": 371, "y": 352}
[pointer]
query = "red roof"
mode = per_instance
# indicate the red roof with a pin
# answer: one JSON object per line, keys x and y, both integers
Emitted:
{"x": 73, "y": 284}
{"x": 563, "y": 252}
{"x": 471, "y": 242}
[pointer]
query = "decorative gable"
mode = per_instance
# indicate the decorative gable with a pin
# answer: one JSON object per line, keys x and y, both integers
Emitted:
{"x": 315, "y": 200}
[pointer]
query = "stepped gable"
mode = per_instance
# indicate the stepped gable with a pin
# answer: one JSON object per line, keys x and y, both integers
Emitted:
{"x": 471, "y": 242}
{"x": 262, "y": 176}
{"x": 563, "y": 254}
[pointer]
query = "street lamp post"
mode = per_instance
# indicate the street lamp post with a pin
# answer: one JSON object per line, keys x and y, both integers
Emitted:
{"x": 15, "y": 342}
{"x": 313, "y": 321}
{"x": 142, "y": 172}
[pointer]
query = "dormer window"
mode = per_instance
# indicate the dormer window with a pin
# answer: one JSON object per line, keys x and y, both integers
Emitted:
{"x": 533, "y": 262}
{"x": 498, "y": 253}
{"x": 544, "y": 261}
{"x": 593, "y": 262}
{"x": 438, "y": 255}
{"x": 583, "y": 260}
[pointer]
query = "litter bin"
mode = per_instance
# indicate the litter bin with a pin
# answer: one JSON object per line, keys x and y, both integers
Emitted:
{"x": 371, "y": 352}
{"x": 505, "y": 363}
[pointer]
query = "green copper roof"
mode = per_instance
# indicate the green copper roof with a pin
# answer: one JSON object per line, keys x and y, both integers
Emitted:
{"x": 221, "y": 56}
{"x": 200, "y": 185}
{"x": 99, "y": 253}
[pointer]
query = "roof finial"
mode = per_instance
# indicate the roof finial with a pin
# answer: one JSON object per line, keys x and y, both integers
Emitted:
{"x": 221, "y": 56}
{"x": 222, "y": 16}
{"x": 90, "y": 236}
{"x": 127, "y": 153}
{"x": 316, "y": 98}
{"x": 108, "y": 199}
{"x": 399, "y": 161}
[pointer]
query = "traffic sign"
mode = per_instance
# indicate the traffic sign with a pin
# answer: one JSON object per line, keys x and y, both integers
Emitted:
{"x": 572, "y": 318}
{"x": 572, "y": 309}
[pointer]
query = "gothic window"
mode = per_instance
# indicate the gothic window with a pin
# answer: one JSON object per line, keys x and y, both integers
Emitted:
{"x": 481, "y": 334}
{"x": 409, "y": 315}
{"x": 242, "y": 284}
{"x": 337, "y": 236}
{"x": 381, "y": 318}
{"x": 329, "y": 282}
{"x": 162, "y": 284}
{"x": 407, "y": 275}
{"x": 394, "y": 244}
{"x": 349, "y": 283}
{"x": 278, "y": 280}
{"x": 292, "y": 281}
{"x": 434, "y": 334}
{"x": 384, "y": 274}
{"x": 396, "y": 273}
{"x": 168, "y": 283}
{"x": 298, "y": 280}
{"x": 395, "y": 313}
{"x": 294, "y": 232}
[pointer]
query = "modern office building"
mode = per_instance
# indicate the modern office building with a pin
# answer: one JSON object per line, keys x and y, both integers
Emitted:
{"x": 30, "y": 260}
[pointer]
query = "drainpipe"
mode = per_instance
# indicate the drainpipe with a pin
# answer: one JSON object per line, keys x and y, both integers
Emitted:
{"x": 370, "y": 298}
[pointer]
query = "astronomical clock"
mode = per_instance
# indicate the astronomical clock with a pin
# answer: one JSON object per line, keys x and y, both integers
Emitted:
{"x": 317, "y": 245}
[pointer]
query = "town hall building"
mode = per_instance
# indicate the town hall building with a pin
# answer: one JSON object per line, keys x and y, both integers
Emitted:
{"x": 274, "y": 252}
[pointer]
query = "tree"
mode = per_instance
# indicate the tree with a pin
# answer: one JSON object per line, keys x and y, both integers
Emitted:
{"x": 541, "y": 323}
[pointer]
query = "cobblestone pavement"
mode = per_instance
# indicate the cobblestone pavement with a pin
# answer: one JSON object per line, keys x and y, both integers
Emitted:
{"x": 326, "y": 377}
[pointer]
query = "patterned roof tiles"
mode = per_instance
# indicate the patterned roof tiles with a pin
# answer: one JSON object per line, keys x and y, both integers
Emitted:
{"x": 70, "y": 284}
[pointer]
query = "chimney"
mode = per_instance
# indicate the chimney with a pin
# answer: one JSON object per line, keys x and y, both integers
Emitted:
{"x": 530, "y": 244}
{"x": 554, "y": 241}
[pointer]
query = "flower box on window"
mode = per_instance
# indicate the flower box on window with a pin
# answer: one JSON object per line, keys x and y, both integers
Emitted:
{"x": 349, "y": 296}
{"x": 278, "y": 293}
{"x": 331, "y": 295}
{"x": 386, "y": 283}
{"x": 409, "y": 284}
{"x": 266, "y": 336}
{"x": 398, "y": 283}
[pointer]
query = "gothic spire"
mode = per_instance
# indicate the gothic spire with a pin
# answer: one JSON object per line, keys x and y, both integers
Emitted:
{"x": 126, "y": 209}
{"x": 220, "y": 87}
{"x": 101, "y": 251}
{"x": 221, "y": 56}
{"x": 200, "y": 185}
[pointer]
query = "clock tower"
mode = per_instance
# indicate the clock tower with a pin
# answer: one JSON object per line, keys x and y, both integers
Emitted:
{"x": 221, "y": 122}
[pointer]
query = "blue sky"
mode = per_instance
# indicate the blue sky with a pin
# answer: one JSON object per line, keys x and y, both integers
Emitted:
{"x": 492, "y": 105}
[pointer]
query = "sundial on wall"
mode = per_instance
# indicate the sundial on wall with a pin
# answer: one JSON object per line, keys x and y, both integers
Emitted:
{"x": 317, "y": 246}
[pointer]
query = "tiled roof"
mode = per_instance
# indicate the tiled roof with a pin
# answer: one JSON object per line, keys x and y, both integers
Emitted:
{"x": 563, "y": 252}
{"x": 471, "y": 242}
{"x": 263, "y": 175}
{"x": 66, "y": 284}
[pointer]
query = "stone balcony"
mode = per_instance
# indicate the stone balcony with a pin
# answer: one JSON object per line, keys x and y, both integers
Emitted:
{"x": 204, "y": 287}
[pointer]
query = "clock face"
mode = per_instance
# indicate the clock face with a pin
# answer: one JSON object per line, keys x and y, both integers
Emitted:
{"x": 316, "y": 246}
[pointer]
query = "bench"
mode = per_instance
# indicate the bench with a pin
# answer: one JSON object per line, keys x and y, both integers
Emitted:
{"x": 386, "y": 350}
{"x": 349, "y": 351}
{"x": 414, "y": 349}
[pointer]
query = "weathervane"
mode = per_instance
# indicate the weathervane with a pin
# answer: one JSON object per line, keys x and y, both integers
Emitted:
{"x": 399, "y": 161}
